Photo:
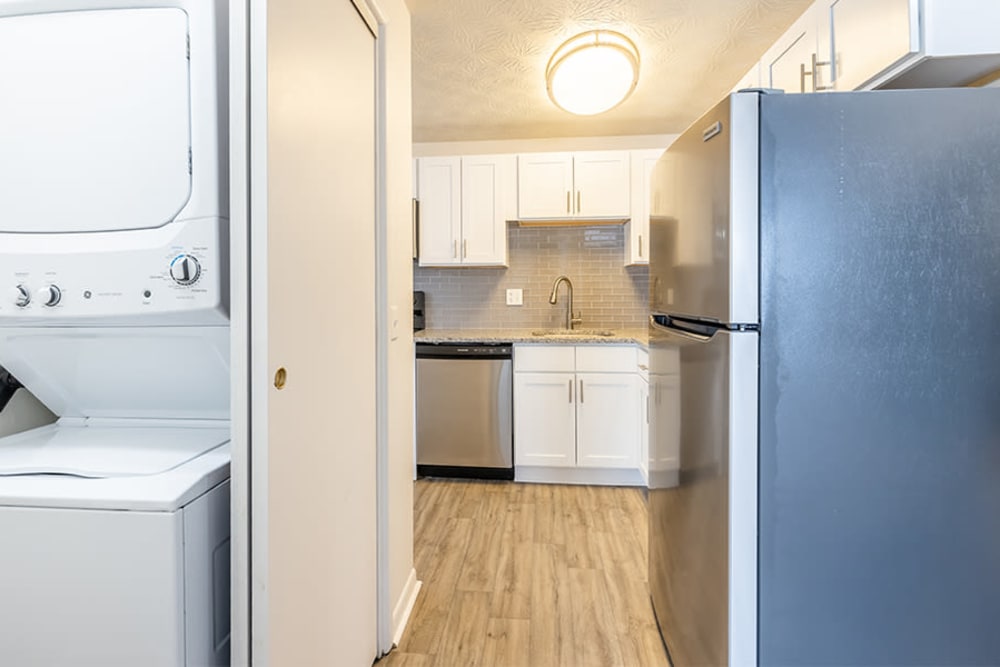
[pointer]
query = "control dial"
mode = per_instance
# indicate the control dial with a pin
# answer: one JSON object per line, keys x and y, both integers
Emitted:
{"x": 185, "y": 270}
{"x": 49, "y": 296}
{"x": 20, "y": 295}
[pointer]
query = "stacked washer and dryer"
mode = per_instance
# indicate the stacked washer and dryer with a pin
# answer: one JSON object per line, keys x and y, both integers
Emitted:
{"x": 114, "y": 521}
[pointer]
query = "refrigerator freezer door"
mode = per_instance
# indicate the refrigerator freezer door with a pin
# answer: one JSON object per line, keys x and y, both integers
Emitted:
{"x": 704, "y": 218}
{"x": 880, "y": 378}
{"x": 702, "y": 495}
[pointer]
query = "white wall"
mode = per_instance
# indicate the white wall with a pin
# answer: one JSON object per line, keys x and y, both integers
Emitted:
{"x": 399, "y": 135}
{"x": 22, "y": 413}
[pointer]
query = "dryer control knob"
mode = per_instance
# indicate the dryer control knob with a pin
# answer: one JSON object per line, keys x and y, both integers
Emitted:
{"x": 20, "y": 295}
{"x": 185, "y": 270}
{"x": 49, "y": 296}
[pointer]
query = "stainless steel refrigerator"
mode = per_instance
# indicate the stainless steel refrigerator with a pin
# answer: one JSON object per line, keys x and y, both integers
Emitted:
{"x": 825, "y": 381}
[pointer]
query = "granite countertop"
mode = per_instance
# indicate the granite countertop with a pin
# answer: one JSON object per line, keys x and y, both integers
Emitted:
{"x": 583, "y": 336}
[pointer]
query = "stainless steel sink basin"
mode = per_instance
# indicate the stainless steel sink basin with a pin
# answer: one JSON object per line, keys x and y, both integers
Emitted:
{"x": 573, "y": 332}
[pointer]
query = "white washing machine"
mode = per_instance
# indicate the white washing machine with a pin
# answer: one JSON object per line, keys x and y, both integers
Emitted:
{"x": 114, "y": 263}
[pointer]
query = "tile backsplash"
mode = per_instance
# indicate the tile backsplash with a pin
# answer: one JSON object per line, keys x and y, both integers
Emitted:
{"x": 608, "y": 294}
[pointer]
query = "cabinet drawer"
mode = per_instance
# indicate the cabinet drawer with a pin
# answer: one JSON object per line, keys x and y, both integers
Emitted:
{"x": 544, "y": 358}
{"x": 606, "y": 358}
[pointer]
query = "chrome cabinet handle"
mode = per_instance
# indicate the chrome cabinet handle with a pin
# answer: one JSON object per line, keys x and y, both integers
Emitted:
{"x": 581, "y": 391}
{"x": 454, "y": 249}
{"x": 567, "y": 201}
{"x": 465, "y": 248}
{"x": 640, "y": 245}
{"x": 570, "y": 391}
{"x": 647, "y": 408}
{"x": 813, "y": 72}
{"x": 577, "y": 202}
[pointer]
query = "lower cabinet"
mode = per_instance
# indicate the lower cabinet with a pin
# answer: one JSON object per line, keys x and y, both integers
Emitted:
{"x": 577, "y": 407}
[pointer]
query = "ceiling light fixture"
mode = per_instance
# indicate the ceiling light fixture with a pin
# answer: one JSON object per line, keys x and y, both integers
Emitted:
{"x": 592, "y": 72}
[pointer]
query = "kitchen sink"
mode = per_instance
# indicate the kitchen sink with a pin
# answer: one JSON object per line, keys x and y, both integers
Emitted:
{"x": 573, "y": 332}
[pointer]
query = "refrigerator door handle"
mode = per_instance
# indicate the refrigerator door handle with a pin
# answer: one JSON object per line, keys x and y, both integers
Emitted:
{"x": 666, "y": 323}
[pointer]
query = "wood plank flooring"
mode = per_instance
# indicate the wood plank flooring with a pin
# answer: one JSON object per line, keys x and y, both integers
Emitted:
{"x": 529, "y": 575}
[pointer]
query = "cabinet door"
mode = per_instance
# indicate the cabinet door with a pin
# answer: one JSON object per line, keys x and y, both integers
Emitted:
{"x": 544, "y": 185}
{"x": 644, "y": 429}
{"x": 638, "y": 227}
{"x": 607, "y": 420}
{"x": 439, "y": 181}
{"x": 787, "y": 65}
{"x": 601, "y": 180}
{"x": 868, "y": 37}
{"x": 486, "y": 184}
{"x": 544, "y": 419}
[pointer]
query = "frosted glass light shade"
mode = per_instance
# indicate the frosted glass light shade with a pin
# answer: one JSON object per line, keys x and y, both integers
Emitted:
{"x": 592, "y": 72}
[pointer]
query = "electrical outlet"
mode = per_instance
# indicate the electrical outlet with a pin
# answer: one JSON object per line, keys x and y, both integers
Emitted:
{"x": 515, "y": 297}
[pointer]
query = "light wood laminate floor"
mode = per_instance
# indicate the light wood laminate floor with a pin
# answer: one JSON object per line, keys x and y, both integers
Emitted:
{"x": 529, "y": 575}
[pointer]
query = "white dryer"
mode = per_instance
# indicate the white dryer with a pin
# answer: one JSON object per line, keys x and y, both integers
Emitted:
{"x": 114, "y": 265}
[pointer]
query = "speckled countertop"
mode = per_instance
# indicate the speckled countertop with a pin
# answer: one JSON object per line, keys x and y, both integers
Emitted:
{"x": 582, "y": 336}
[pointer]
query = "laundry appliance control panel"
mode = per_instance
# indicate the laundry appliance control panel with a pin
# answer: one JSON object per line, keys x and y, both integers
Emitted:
{"x": 172, "y": 271}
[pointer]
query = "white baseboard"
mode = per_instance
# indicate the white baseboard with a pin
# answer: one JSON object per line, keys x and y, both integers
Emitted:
{"x": 598, "y": 476}
{"x": 404, "y": 606}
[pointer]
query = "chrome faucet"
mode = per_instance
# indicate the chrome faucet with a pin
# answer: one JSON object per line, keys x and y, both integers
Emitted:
{"x": 571, "y": 321}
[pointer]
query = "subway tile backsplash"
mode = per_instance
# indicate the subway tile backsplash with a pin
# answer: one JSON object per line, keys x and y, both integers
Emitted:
{"x": 606, "y": 293}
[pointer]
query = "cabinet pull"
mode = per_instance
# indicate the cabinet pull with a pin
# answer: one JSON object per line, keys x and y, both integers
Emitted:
{"x": 581, "y": 391}
{"x": 570, "y": 391}
{"x": 578, "y": 202}
{"x": 640, "y": 245}
{"x": 813, "y": 74}
{"x": 567, "y": 201}
{"x": 454, "y": 249}
{"x": 465, "y": 248}
{"x": 647, "y": 408}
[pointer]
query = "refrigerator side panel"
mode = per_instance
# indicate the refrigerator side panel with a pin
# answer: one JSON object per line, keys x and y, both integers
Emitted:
{"x": 880, "y": 384}
{"x": 703, "y": 218}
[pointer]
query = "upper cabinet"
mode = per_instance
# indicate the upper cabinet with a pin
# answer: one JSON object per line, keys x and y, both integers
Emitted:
{"x": 592, "y": 185}
{"x": 464, "y": 205}
{"x": 868, "y": 37}
{"x": 794, "y": 63}
{"x": 868, "y": 44}
{"x": 637, "y": 236}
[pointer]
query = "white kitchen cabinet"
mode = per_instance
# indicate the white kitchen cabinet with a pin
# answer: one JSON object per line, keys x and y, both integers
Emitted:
{"x": 545, "y": 419}
{"x": 576, "y": 406}
{"x": 642, "y": 366}
{"x": 439, "y": 190}
{"x": 464, "y": 206}
{"x": 868, "y": 44}
{"x": 912, "y": 43}
{"x": 607, "y": 424}
{"x": 643, "y": 162}
{"x": 590, "y": 185}
{"x": 795, "y": 63}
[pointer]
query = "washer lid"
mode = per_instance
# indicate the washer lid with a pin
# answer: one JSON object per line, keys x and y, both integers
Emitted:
{"x": 107, "y": 452}
{"x": 96, "y": 119}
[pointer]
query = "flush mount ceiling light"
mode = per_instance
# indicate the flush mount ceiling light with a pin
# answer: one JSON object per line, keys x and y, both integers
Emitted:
{"x": 592, "y": 72}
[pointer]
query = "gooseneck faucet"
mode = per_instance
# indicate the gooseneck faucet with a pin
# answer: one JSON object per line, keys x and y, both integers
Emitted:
{"x": 553, "y": 297}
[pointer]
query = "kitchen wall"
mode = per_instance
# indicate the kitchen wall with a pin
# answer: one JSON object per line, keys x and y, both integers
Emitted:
{"x": 608, "y": 294}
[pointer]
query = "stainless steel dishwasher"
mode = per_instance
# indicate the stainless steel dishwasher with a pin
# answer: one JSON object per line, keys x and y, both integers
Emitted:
{"x": 465, "y": 410}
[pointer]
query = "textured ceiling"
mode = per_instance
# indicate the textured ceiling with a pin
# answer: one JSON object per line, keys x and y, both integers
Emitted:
{"x": 479, "y": 65}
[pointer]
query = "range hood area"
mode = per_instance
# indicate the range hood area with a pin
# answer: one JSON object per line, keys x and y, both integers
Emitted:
{"x": 568, "y": 222}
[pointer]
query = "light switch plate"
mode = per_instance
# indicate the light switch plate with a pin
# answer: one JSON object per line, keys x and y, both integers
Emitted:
{"x": 515, "y": 297}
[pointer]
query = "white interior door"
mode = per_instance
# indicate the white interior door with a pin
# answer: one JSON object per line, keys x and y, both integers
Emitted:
{"x": 312, "y": 301}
